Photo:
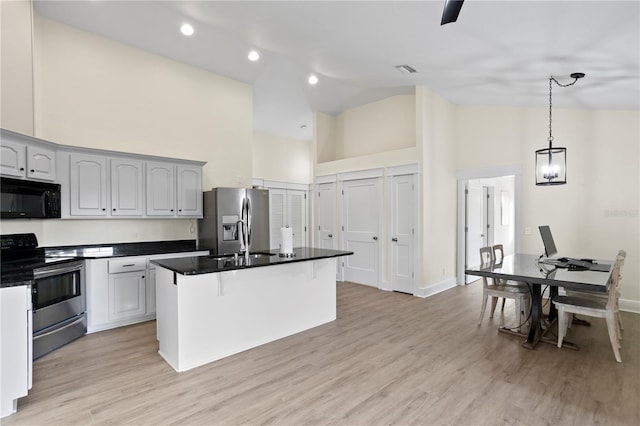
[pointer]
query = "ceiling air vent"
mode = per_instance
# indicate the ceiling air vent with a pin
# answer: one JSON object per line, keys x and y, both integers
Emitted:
{"x": 406, "y": 69}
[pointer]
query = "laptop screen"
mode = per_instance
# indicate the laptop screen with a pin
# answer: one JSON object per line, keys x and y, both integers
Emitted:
{"x": 547, "y": 240}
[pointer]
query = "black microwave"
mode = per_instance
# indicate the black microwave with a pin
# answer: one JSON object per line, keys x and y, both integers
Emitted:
{"x": 29, "y": 199}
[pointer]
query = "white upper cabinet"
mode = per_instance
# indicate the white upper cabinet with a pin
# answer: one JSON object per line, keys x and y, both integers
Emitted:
{"x": 88, "y": 185}
{"x": 13, "y": 160}
{"x": 174, "y": 190}
{"x": 23, "y": 160}
{"x": 127, "y": 186}
{"x": 161, "y": 179}
{"x": 189, "y": 190}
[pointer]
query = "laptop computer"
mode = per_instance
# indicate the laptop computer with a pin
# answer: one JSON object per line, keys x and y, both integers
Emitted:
{"x": 565, "y": 262}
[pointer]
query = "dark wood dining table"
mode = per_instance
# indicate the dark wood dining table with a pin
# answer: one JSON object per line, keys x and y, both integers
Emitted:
{"x": 528, "y": 269}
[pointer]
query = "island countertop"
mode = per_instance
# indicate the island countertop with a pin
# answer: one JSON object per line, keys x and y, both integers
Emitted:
{"x": 197, "y": 265}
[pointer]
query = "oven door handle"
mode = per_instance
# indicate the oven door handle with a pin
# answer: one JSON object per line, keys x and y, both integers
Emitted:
{"x": 45, "y": 272}
{"x": 57, "y": 330}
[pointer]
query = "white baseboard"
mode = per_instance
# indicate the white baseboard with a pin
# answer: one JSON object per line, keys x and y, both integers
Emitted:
{"x": 435, "y": 288}
{"x": 629, "y": 305}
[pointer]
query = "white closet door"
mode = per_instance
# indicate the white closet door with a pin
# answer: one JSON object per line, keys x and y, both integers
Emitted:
{"x": 402, "y": 224}
{"x": 296, "y": 216}
{"x": 327, "y": 232}
{"x": 361, "y": 218}
{"x": 277, "y": 201}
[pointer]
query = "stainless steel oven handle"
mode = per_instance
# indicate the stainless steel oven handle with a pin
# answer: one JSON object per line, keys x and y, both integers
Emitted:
{"x": 57, "y": 270}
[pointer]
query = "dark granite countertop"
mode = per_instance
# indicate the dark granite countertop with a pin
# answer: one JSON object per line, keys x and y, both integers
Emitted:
{"x": 97, "y": 251}
{"x": 196, "y": 265}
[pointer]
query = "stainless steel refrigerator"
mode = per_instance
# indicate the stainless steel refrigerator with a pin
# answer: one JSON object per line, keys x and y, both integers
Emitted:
{"x": 220, "y": 228}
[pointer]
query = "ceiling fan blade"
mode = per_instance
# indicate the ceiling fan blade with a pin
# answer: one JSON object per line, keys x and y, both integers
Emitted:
{"x": 451, "y": 11}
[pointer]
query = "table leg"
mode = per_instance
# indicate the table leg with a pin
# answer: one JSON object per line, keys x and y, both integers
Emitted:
{"x": 553, "y": 312}
{"x": 536, "y": 317}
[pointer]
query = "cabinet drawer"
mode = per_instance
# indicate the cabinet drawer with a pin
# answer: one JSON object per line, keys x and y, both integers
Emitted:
{"x": 127, "y": 265}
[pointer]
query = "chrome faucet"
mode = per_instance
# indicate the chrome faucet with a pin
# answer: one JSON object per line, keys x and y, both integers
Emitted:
{"x": 244, "y": 243}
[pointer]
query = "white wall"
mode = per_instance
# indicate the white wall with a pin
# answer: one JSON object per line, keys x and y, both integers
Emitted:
{"x": 92, "y": 92}
{"x": 282, "y": 159}
{"x": 436, "y": 139}
{"x": 378, "y": 127}
{"x": 16, "y": 71}
{"x": 596, "y": 212}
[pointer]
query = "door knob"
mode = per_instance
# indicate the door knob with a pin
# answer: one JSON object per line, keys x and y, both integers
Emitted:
{"x": 394, "y": 239}
{"x": 330, "y": 235}
{"x": 375, "y": 238}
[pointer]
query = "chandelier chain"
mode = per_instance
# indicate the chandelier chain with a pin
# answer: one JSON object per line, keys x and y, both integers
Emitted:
{"x": 550, "y": 135}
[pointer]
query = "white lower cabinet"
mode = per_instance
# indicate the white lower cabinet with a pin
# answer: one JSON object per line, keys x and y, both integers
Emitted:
{"x": 127, "y": 295}
{"x": 122, "y": 290}
{"x": 15, "y": 346}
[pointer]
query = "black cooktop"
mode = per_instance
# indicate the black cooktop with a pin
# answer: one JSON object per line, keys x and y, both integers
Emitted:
{"x": 20, "y": 255}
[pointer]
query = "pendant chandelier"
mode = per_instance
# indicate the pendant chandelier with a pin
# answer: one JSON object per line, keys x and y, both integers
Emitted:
{"x": 551, "y": 163}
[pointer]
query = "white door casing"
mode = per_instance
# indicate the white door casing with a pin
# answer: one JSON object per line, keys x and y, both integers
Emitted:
{"x": 401, "y": 221}
{"x": 475, "y": 234}
{"x": 361, "y": 230}
{"x": 463, "y": 177}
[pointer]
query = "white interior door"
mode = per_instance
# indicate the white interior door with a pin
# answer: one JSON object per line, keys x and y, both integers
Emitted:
{"x": 402, "y": 226}
{"x": 327, "y": 236}
{"x": 360, "y": 230}
{"x": 296, "y": 217}
{"x": 475, "y": 232}
{"x": 327, "y": 216}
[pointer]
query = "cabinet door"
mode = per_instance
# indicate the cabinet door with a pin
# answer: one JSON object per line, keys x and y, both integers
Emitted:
{"x": 189, "y": 183}
{"x": 297, "y": 216}
{"x": 12, "y": 158}
{"x": 160, "y": 189}
{"x": 88, "y": 185}
{"x": 15, "y": 338}
{"x": 127, "y": 295}
{"x": 41, "y": 163}
{"x": 277, "y": 212}
{"x": 151, "y": 291}
{"x": 126, "y": 187}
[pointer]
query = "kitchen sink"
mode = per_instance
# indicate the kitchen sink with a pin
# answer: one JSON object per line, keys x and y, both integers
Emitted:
{"x": 258, "y": 255}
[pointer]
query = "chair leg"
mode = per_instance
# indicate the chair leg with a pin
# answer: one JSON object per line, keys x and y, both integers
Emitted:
{"x": 611, "y": 326}
{"x": 504, "y": 299}
{"x": 570, "y": 320}
{"x": 494, "y": 302}
{"x": 562, "y": 325}
{"x": 484, "y": 307}
{"x": 619, "y": 325}
{"x": 518, "y": 303}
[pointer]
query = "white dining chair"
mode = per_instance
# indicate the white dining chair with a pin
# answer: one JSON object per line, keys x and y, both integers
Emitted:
{"x": 593, "y": 307}
{"x": 620, "y": 258}
{"x": 495, "y": 289}
{"x": 498, "y": 257}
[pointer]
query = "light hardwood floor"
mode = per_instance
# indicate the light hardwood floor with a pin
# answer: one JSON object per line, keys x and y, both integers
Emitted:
{"x": 389, "y": 358}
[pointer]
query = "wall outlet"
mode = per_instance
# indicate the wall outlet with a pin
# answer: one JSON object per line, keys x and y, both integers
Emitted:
{"x": 527, "y": 230}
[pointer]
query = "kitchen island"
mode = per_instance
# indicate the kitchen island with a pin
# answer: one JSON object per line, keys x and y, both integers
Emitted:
{"x": 210, "y": 307}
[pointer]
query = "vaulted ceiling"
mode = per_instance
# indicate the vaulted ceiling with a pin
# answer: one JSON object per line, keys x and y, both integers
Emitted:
{"x": 498, "y": 53}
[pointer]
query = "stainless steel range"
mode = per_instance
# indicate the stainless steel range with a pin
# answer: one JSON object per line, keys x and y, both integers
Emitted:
{"x": 57, "y": 287}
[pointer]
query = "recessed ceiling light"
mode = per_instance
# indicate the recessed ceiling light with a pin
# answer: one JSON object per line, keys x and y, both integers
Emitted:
{"x": 253, "y": 56}
{"x": 187, "y": 29}
{"x": 313, "y": 79}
